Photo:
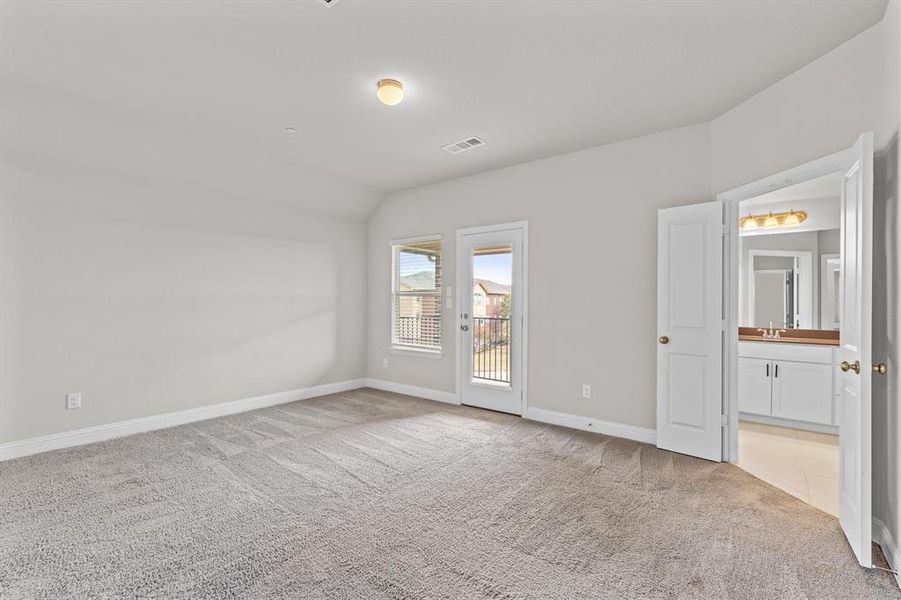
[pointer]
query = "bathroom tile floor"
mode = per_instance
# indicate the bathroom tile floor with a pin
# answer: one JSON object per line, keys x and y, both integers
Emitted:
{"x": 803, "y": 463}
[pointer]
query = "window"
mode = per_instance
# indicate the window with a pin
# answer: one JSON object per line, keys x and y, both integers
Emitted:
{"x": 416, "y": 294}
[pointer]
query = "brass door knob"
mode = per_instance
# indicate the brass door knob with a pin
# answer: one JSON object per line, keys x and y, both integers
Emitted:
{"x": 846, "y": 366}
{"x": 663, "y": 339}
{"x": 880, "y": 368}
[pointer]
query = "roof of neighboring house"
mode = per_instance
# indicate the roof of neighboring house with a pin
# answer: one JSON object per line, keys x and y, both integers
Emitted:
{"x": 493, "y": 287}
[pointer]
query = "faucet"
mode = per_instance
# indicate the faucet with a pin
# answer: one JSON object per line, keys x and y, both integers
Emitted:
{"x": 771, "y": 334}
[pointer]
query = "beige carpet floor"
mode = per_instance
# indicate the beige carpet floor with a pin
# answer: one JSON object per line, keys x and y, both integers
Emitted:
{"x": 369, "y": 494}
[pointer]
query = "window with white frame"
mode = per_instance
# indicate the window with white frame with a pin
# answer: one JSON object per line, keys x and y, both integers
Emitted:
{"x": 416, "y": 294}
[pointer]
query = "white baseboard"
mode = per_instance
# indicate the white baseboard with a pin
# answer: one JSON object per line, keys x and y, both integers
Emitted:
{"x": 886, "y": 541}
{"x": 412, "y": 390}
{"x": 630, "y": 432}
{"x": 99, "y": 433}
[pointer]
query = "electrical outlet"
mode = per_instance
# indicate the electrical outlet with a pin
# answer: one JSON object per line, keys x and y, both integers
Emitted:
{"x": 586, "y": 390}
{"x": 73, "y": 400}
{"x": 385, "y": 363}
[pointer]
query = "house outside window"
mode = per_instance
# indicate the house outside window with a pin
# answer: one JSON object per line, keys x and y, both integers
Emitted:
{"x": 416, "y": 294}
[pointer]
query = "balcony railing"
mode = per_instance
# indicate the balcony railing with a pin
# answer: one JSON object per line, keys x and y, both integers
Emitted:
{"x": 418, "y": 331}
{"x": 491, "y": 349}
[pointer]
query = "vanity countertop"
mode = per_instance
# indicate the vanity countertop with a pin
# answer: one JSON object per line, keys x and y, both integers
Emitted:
{"x": 792, "y": 340}
{"x": 813, "y": 337}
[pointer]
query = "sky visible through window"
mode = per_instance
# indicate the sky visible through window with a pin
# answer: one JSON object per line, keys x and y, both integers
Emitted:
{"x": 494, "y": 267}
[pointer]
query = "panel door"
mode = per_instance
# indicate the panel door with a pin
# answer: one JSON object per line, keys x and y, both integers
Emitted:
{"x": 690, "y": 328}
{"x": 755, "y": 386}
{"x": 855, "y": 350}
{"x": 802, "y": 391}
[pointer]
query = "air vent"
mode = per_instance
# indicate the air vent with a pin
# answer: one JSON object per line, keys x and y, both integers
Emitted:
{"x": 463, "y": 145}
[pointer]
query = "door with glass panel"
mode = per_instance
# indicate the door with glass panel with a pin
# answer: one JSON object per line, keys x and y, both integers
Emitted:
{"x": 491, "y": 317}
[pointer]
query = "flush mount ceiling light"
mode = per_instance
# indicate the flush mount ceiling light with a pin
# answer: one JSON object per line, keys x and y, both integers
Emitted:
{"x": 389, "y": 91}
{"x": 792, "y": 218}
{"x": 290, "y": 130}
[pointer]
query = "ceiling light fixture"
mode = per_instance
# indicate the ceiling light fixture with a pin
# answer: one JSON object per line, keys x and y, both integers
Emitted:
{"x": 792, "y": 218}
{"x": 290, "y": 130}
{"x": 389, "y": 91}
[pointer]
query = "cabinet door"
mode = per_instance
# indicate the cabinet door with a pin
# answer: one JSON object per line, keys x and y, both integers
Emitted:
{"x": 802, "y": 391}
{"x": 754, "y": 377}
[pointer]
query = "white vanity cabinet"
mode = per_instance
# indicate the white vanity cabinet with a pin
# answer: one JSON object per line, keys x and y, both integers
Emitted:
{"x": 755, "y": 388}
{"x": 787, "y": 381}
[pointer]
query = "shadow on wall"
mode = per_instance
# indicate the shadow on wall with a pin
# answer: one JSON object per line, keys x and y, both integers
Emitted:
{"x": 885, "y": 327}
{"x": 143, "y": 319}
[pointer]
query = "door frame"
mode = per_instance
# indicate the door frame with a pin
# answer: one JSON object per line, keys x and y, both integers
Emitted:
{"x": 731, "y": 257}
{"x": 524, "y": 293}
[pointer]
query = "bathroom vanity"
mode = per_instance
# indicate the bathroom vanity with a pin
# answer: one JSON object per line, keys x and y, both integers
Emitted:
{"x": 788, "y": 381}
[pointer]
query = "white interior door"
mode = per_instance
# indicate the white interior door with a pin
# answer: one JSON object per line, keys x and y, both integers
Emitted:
{"x": 855, "y": 350}
{"x": 492, "y": 315}
{"x": 690, "y": 326}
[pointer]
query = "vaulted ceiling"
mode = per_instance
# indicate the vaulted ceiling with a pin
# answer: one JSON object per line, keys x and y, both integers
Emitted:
{"x": 213, "y": 86}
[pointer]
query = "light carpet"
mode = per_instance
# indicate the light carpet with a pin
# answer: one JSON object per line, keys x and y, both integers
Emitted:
{"x": 369, "y": 494}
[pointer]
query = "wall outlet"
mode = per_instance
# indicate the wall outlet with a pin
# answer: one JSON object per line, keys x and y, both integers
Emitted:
{"x": 385, "y": 363}
{"x": 73, "y": 400}
{"x": 586, "y": 390}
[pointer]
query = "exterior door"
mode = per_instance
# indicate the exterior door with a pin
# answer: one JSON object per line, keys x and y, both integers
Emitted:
{"x": 690, "y": 330}
{"x": 492, "y": 313}
{"x": 855, "y": 350}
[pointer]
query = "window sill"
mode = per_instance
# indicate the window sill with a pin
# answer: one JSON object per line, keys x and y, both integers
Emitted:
{"x": 417, "y": 352}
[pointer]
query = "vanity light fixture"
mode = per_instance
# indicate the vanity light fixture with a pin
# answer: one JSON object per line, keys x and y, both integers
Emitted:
{"x": 771, "y": 221}
{"x": 792, "y": 218}
{"x": 389, "y": 91}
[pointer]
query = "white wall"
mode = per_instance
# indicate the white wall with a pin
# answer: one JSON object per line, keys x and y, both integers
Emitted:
{"x": 151, "y": 293}
{"x": 592, "y": 277}
{"x": 819, "y": 109}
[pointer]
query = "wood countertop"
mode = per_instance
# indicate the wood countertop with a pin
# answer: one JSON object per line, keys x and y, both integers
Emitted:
{"x": 816, "y": 337}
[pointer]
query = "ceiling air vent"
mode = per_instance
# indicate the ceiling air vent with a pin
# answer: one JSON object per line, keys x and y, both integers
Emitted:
{"x": 463, "y": 145}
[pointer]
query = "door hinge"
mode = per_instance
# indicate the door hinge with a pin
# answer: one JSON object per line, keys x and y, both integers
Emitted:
{"x": 725, "y": 230}
{"x": 724, "y": 420}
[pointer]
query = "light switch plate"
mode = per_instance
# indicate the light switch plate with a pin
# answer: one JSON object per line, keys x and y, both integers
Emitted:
{"x": 586, "y": 390}
{"x": 73, "y": 400}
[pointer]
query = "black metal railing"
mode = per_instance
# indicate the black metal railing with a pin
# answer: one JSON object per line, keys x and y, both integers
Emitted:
{"x": 491, "y": 348}
{"x": 418, "y": 331}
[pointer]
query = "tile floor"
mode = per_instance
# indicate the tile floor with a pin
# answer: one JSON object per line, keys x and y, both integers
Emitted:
{"x": 803, "y": 463}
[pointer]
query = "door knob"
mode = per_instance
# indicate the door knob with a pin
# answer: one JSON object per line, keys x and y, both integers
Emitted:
{"x": 846, "y": 366}
{"x": 464, "y": 327}
{"x": 880, "y": 368}
{"x": 663, "y": 339}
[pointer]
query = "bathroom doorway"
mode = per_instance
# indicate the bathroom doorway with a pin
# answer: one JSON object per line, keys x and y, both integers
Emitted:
{"x": 798, "y": 387}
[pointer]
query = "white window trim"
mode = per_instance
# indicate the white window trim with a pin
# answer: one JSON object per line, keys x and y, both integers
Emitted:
{"x": 403, "y": 349}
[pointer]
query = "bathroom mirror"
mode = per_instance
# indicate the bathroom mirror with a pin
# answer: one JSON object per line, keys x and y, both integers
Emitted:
{"x": 790, "y": 257}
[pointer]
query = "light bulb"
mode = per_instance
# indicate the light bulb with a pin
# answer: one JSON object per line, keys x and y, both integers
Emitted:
{"x": 791, "y": 219}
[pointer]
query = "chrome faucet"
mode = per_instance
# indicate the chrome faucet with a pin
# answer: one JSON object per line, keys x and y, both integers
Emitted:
{"x": 771, "y": 334}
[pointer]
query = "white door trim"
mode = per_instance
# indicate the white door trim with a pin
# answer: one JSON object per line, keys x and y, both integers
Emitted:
{"x": 458, "y": 335}
{"x": 731, "y": 199}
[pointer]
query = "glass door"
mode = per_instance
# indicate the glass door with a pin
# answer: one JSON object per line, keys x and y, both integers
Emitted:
{"x": 491, "y": 319}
